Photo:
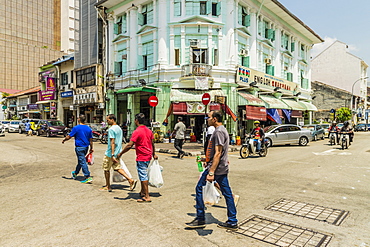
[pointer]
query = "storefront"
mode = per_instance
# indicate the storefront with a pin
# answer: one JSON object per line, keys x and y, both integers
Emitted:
{"x": 88, "y": 101}
{"x": 66, "y": 110}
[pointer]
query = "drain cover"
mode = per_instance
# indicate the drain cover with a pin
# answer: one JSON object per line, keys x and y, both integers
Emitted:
{"x": 310, "y": 211}
{"x": 281, "y": 234}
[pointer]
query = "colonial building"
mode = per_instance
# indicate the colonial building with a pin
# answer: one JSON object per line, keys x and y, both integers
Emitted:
{"x": 337, "y": 67}
{"x": 252, "y": 57}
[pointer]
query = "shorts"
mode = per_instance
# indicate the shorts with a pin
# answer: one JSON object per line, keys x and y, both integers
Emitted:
{"x": 142, "y": 170}
{"x": 108, "y": 164}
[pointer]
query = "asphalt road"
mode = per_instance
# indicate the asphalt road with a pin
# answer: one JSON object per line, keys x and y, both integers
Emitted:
{"x": 41, "y": 205}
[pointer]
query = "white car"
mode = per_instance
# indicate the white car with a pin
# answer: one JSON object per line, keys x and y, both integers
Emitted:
{"x": 5, "y": 124}
{"x": 14, "y": 126}
{"x": 287, "y": 134}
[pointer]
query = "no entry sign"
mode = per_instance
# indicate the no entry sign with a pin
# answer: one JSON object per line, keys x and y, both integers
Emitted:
{"x": 206, "y": 98}
{"x": 153, "y": 101}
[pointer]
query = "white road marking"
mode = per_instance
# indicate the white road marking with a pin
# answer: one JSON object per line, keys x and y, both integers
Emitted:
{"x": 332, "y": 152}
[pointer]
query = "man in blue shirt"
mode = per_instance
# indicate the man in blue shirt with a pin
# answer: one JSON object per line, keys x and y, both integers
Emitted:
{"x": 83, "y": 139}
{"x": 28, "y": 128}
{"x": 110, "y": 159}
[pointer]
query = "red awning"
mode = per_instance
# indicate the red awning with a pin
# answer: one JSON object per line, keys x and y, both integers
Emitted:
{"x": 296, "y": 114}
{"x": 214, "y": 107}
{"x": 180, "y": 108}
{"x": 256, "y": 113}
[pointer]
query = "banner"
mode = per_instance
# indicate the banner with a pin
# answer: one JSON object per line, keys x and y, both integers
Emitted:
{"x": 46, "y": 95}
{"x": 201, "y": 83}
{"x": 273, "y": 115}
{"x": 287, "y": 113}
{"x": 50, "y": 84}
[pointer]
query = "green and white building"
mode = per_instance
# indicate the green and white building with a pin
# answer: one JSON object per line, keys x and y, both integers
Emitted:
{"x": 243, "y": 53}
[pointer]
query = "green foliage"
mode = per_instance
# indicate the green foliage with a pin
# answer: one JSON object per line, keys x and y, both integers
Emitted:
{"x": 15, "y": 117}
{"x": 343, "y": 114}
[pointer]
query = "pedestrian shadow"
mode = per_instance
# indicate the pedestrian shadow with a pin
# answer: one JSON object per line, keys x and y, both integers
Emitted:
{"x": 133, "y": 195}
{"x": 209, "y": 220}
{"x": 78, "y": 178}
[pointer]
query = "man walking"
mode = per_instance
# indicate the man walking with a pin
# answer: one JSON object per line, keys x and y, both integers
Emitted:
{"x": 110, "y": 158}
{"x": 217, "y": 170}
{"x": 28, "y": 128}
{"x": 143, "y": 140}
{"x": 179, "y": 129}
{"x": 83, "y": 139}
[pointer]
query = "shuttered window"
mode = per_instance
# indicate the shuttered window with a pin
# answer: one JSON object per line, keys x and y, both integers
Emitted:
{"x": 270, "y": 69}
{"x": 177, "y": 7}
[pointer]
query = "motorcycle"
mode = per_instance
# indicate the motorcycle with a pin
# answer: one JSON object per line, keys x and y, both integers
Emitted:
{"x": 96, "y": 135}
{"x": 332, "y": 137}
{"x": 249, "y": 148}
{"x": 104, "y": 136}
{"x": 344, "y": 140}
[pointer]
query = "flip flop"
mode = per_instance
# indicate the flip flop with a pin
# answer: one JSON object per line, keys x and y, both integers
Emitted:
{"x": 143, "y": 200}
{"x": 104, "y": 188}
{"x": 133, "y": 185}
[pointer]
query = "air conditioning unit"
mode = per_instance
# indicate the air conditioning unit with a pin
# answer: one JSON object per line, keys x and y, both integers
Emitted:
{"x": 267, "y": 60}
{"x": 243, "y": 52}
{"x": 194, "y": 43}
{"x": 61, "y": 87}
{"x": 124, "y": 56}
{"x": 71, "y": 85}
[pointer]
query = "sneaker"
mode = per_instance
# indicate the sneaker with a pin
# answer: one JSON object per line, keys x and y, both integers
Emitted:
{"x": 74, "y": 175}
{"x": 228, "y": 226}
{"x": 87, "y": 180}
{"x": 182, "y": 155}
{"x": 236, "y": 200}
{"x": 196, "y": 224}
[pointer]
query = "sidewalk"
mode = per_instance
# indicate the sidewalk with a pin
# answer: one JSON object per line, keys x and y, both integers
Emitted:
{"x": 190, "y": 148}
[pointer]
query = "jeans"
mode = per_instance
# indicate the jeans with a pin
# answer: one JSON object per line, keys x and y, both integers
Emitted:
{"x": 258, "y": 144}
{"x": 142, "y": 170}
{"x": 223, "y": 181}
{"x": 178, "y": 145}
{"x": 81, "y": 161}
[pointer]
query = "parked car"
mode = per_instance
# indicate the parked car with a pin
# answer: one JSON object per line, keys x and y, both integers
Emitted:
{"x": 340, "y": 125}
{"x": 326, "y": 129}
{"x": 14, "y": 126}
{"x": 22, "y": 124}
{"x": 50, "y": 127}
{"x": 362, "y": 127}
{"x": 5, "y": 124}
{"x": 286, "y": 134}
{"x": 316, "y": 131}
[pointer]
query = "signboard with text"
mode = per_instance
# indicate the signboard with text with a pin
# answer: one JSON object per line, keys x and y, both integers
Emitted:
{"x": 248, "y": 75}
{"x": 50, "y": 84}
{"x": 46, "y": 95}
{"x": 66, "y": 94}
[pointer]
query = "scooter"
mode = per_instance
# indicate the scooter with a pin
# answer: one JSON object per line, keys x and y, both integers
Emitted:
{"x": 104, "y": 136}
{"x": 344, "y": 140}
{"x": 332, "y": 137}
{"x": 249, "y": 148}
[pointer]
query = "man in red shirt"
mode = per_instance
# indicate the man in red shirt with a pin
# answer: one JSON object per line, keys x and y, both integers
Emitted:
{"x": 143, "y": 139}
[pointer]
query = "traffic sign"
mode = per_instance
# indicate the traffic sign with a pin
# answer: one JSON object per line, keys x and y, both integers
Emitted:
{"x": 206, "y": 98}
{"x": 4, "y": 107}
{"x": 153, "y": 101}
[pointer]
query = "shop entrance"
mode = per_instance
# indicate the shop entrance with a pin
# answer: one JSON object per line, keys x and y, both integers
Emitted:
{"x": 194, "y": 124}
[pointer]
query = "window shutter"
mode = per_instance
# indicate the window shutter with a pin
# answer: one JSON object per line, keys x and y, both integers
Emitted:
{"x": 260, "y": 27}
{"x": 289, "y": 76}
{"x": 116, "y": 68}
{"x": 245, "y": 61}
{"x": 115, "y": 28}
{"x": 119, "y": 19}
{"x": 208, "y": 7}
{"x": 272, "y": 70}
{"x": 240, "y": 15}
{"x": 124, "y": 24}
{"x": 292, "y": 47}
{"x": 140, "y": 62}
{"x": 140, "y": 19}
{"x": 247, "y": 21}
{"x": 218, "y": 9}
{"x": 177, "y": 7}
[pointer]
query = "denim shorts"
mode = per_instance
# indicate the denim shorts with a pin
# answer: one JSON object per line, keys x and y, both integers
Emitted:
{"x": 142, "y": 170}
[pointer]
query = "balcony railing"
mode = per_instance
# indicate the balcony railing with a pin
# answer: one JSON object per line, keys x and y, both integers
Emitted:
{"x": 196, "y": 69}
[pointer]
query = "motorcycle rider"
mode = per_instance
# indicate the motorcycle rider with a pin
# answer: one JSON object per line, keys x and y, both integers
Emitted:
{"x": 334, "y": 128}
{"x": 347, "y": 129}
{"x": 257, "y": 134}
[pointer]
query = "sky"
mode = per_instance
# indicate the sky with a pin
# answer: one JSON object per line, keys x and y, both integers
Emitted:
{"x": 343, "y": 20}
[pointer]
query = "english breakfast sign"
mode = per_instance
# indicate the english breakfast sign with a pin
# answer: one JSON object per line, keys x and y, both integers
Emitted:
{"x": 248, "y": 75}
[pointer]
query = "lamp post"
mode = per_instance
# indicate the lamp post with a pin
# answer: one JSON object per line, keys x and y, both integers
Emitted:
{"x": 353, "y": 85}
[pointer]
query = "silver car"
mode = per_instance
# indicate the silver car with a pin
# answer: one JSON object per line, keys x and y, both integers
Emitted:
{"x": 287, "y": 134}
{"x": 13, "y": 126}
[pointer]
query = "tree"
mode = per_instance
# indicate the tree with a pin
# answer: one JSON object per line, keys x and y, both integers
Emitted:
{"x": 4, "y": 95}
{"x": 343, "y": 114}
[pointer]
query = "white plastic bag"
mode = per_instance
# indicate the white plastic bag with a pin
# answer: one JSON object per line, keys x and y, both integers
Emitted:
{"x": 155, "y": 174}
{"x": 210, "y": 193}
{"x": 117, "y": 177}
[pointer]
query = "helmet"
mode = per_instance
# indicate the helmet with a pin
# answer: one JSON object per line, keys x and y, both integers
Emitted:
{"x": 256, "y": 122}
{"x": 334, "y": 123}
{"x": 346, "y": 123}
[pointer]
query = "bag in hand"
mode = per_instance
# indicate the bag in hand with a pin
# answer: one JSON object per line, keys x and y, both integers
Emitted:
{"x": 155, "y": 174}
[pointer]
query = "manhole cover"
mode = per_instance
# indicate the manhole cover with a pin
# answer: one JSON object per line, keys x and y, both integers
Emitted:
{"x": 310, "y": 211}
{"x": 281, "y": 234}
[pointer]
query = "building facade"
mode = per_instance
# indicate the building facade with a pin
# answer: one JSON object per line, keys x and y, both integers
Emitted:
{"x": 337, "y": 67}
{"x": 30, "y": 36}
{"x": 243, "y": 53}
{"x": 68, "y": 18}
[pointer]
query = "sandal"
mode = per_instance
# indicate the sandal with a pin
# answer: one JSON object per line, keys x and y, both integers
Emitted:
{"x": 105, "y": 188}
{"x": 143, "y": 200}
{"x": 133, "y": 185}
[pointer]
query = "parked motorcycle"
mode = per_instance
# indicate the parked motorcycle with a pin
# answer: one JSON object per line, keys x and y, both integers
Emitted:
{"x": 104, "y": 136}
{"x": 249, "y": 148}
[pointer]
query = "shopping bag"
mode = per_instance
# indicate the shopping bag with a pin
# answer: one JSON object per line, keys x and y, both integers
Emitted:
{"x": 210, "y": 193}
{"x": 117, "y": 177}
{"x": 155, "y": 174}
{"x": 90, "y": 159}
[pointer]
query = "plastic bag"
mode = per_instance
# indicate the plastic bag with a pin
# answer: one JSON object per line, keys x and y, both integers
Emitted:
{"x": 210, "y": 193}
{"x": 155, "y": 174}
{"x": 117, "y": 177}
{"x": 90, "y": 159}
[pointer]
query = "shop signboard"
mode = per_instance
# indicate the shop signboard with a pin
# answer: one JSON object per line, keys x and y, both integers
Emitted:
{"x": 32, "y": 106}
{"x": 247, "y": 75}
{"x": 66, "y": 94}
{"x": 46, "y": 108}
{"x": 50, "y": 84}
{"x": 46, "y": 95}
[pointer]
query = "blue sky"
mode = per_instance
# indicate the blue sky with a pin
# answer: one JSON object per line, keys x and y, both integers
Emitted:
{"x": 347, "y": 21}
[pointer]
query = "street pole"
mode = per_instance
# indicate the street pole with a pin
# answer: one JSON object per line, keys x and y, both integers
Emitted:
{"x": 353, "y": 85}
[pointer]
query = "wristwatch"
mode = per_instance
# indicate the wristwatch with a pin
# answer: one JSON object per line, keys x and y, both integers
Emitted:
{"x": 211, "y": 173}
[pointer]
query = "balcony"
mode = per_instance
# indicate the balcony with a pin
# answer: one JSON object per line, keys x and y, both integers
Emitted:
{"x": 196, "y": 69}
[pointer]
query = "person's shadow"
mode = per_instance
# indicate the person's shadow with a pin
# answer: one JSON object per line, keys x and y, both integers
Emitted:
{"x": 209, "y": 220}
{"x": 135, "y": 195}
